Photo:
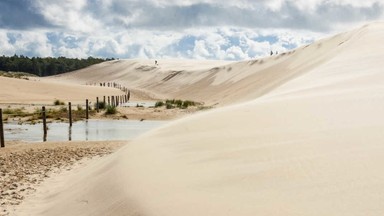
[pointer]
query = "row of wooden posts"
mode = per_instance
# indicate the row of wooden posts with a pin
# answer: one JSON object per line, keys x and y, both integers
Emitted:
{"x": 114, "y": 100}
{"x": 110, "y": 100}
{"x": 112, "y": 85}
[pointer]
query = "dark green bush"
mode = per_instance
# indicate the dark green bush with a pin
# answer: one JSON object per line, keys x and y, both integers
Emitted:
{"x": 110, "y": 110}
{"x": 169, "y": 106}
{"x": 102, "y": 105}
{"x": 57, "y": 102}
{"x": 159, "y": 104}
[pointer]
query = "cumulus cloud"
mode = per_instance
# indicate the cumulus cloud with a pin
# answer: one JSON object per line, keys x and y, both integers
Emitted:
{"x": 202, "y": 29}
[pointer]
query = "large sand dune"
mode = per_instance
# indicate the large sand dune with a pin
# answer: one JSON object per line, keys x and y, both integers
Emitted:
{"x": 215, "y": 82}
{"x": 305, "y": 138}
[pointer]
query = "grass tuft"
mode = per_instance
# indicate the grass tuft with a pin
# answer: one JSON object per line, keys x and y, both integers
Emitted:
{"x": 110, "y": 110}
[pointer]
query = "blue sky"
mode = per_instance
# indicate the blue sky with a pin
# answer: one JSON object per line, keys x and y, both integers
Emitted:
{"x": 189, "y": 29}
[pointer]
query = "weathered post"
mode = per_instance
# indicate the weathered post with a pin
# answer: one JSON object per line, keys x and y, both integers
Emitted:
{"x": 44, "y": 123}
{"x": 70, "y": 114}
{"x": 2, "y": 145}
{"x": 113, "y": 100}
{"x": 97, "y": 104}
{"x": 104, "y": 100}
{"x": 129, "y": 95}
{"x": 109, "y": 101}
{"x": 86, "y": 109}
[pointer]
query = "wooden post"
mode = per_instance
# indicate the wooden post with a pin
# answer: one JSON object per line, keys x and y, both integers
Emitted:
{"x": 117, "y": 101}
{"x": 2, "y": 145}
{"x": 97, "y": 104}
{"x": 104, "y": 100}
{"x": 70, "y": 114}
{"x": 109, "y": 101}
{"x": 44, "y": 123}
{"x": 129, "y": 95}
{"x": 113, "y": 100}
{"x": 86, "y": 109}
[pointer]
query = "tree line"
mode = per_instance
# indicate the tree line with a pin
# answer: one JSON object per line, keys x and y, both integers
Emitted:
{"x": 45, "y": 66}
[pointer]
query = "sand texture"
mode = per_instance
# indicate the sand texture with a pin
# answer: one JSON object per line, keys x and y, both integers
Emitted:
{"x": 300, "y": 133}
{"x": 24, "y": 166}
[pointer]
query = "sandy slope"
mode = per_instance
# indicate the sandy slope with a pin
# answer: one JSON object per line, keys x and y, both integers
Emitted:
{"x": 212, "y": 82}
{"x": 311, "y": 145}
{"x": 46, "y": 91}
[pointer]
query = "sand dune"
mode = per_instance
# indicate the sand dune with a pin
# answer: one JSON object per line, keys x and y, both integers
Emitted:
{"x": 305, "y": 138}
{"x": 44, "y": 91}
{"x": 214, "y": 82}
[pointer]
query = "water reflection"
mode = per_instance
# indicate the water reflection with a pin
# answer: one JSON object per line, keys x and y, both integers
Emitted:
{"x": 70, "y": 133}
{"x": 86, "y": 130}
{"x": 91, "y": 130}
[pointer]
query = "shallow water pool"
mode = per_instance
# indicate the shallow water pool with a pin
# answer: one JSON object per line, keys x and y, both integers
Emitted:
{"x": 91, "y": 130}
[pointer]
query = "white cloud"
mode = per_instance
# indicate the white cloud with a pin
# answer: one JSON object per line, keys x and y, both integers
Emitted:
{"x": 211, "y": 29}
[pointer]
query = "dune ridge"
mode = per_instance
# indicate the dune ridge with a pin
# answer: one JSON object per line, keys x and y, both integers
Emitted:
{"x": 304, "y": 138}
{"x": 216, "y": 82}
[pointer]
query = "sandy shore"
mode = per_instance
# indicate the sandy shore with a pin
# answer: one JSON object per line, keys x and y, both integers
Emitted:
{"x": 23, "y": 166}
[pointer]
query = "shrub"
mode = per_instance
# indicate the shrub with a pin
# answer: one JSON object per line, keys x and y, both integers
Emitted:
{"x": 110, "y": 110}
{"x": 188, "y": 103}
{"x": 159, "y": 104}
{"x": 57, "y": 102}
{"x": 102, "y": 105}
{"x": 170, "y": 101}
{"x": 178, "y": 103}
{"x": 63, "y": 109}
{"x": 169, "y": 106}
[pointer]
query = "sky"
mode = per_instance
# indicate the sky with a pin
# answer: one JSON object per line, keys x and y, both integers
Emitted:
{"x": 161, "y": 29}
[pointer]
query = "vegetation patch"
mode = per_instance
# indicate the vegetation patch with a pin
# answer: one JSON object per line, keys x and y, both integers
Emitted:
{"x": 18, "y": 112}
{"x": 171, "y": 104}
{"x": 110, "y": 110}
{"x": 58, "y": 102}
{"x": 60, "y": 114}
{"x": 17, "y": 75}
{"x": 102, "y": 105}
